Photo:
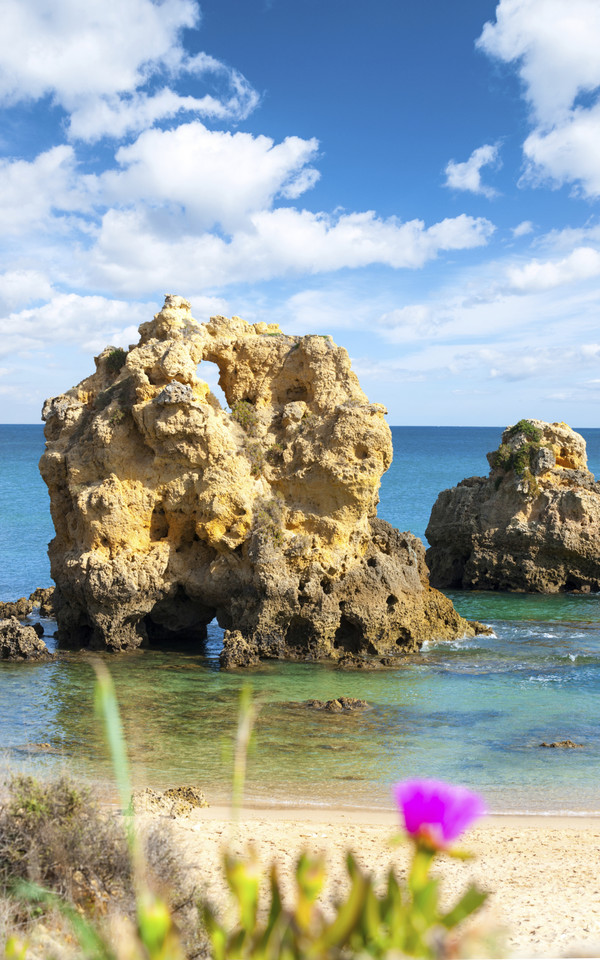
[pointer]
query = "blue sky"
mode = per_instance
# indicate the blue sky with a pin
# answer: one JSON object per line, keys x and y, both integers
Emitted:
{"x": 419, "y": 180}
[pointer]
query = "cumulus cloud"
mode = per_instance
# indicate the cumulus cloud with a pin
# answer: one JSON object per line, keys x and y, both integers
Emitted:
{"x": 131, "y": 252}
{"x": 31, "y": 190}
{"x": 214, "y": 177}
{"x": 554, "y": 44}
{"x": 581, "y": 264}
{"x": 88, "y": 321}
{"x": 569, "y": 151}
{"x": 523, "y": 228}
{"x": 19, "y": 288}
{"x": 467, "y": 175}
{"x": 98, "y": 59}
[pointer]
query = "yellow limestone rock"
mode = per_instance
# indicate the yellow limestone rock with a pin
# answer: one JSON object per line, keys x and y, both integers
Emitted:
{"x": 170, "y": 510}
{"x": 532, "y": 525}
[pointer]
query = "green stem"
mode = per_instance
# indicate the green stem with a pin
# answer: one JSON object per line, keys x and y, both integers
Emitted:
{"x": 419, "y": 871}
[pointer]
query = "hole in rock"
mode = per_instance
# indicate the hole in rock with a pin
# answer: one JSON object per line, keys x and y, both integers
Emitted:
{"x": 159, "y": 528}
{"x": 361, "y": 451}
{"x": 348, "y": 636}
{"x": 209, "y": 372}
{"x": 298, "y": 391}
{"x": 299, "y": 633}
{"x": 371, "y": 562}
{"x": 326, "y": 586}
{"x": 178, "y": 623}
{"x": 392, "y": 600}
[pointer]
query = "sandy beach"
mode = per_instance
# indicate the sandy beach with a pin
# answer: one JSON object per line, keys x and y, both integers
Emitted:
{"x": 542, "y": 872}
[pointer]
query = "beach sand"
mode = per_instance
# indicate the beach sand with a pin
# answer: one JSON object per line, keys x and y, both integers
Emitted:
{"x": 543, "y": 873}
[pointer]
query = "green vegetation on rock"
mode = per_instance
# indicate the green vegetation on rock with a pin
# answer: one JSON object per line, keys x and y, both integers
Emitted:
{"x": 115, "y": 360}
{"x": 245, "y": 414}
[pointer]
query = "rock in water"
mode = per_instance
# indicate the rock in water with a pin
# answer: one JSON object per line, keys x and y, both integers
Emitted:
{"x": 532, "y": 525}
{"x": 18, "y": 642}
{"x": 170, "y": 511}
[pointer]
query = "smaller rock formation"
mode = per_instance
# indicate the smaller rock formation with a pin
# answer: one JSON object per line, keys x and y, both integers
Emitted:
{"x": 20, "y": 608}
{"x": 42, "y": 597}
{"x": 532, "y": 525}
{"x": 19, "y": 642}
{"x": 341, "y": 705}
{"x": 175, "y": 802}
{"x": 564, "y": 744}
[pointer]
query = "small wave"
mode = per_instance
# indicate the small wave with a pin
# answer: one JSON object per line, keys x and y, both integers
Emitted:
{"x": 549, "y": 679}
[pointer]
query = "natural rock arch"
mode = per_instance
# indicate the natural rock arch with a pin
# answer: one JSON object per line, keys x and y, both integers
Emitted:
{"x": 169, "y": 510}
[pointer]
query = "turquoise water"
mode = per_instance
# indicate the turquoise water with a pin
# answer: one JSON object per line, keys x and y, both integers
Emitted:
{"x": 472, "y": 711}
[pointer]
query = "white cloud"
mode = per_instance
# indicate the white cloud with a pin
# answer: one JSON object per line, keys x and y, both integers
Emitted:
{"x": 31, "y": 190}
{"x": 117, "y": 116}
{"x": 555, "y": 46}
{"x": 132, "y": 255}
{"x": 94, "y": 59}
{"x": 467, "y": 175}
{"x": 88, "y": 321}
{"x": 581, "y": 264}
{"x": 523, "y": 228}
{"x": 569, "y": 151}
{"x": 18, "y": 288}
{"x": 555, "y": 43}
{"x": 213, "y": 176}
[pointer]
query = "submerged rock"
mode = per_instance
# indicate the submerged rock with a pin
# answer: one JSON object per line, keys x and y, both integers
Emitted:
{"x": 533, "y": 524}
{"x": 340, "y": 705}
{"x": 564, "y": 744}
{"x": 19, "y": 642}
{"x": 170, "y": 511}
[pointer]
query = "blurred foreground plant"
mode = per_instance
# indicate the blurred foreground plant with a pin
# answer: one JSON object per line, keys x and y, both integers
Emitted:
{"x": 404, "y": 920}
{"x": 153, "y": 935}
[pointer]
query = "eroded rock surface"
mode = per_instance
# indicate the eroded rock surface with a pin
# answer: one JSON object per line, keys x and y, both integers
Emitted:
{"x": 20, "y": 608}
{"x": 19, "y": 642}
{"x": 175, "y": 802}
{"x": 340, "y": 705}
{"x": 170, "y": 511}
{"x": 42, "y": 597}
{"x": 532, "y": 525}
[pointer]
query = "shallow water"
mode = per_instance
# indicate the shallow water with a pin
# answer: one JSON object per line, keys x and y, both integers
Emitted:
{"x": 472, "y": 711}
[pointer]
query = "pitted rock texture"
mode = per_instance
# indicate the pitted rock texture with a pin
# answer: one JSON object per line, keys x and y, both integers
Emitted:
{"x": 42, "y": 597}
{"x": 532, "y": 525}
{"x": 170, "y": 510}
{"x": 19, "y": 642}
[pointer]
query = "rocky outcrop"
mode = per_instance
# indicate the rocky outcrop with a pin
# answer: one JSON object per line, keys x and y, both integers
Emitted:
{"x": 20, "y": 608}
{"x": 42, "y": 597}
{"x": 532, "y": 525}
{"x": 563, "y": 745}
{"x": 340, "y": 705}
{"x": 19, "y": 642}
{"x": 175, "y": 802}
{"x": 170, "y": 510}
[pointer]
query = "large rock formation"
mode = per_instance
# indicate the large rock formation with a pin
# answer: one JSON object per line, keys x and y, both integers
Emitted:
{"x": 532, "y": 525}
{"x": 170, "y": 511}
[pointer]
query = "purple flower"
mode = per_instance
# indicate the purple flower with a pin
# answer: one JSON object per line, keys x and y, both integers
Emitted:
{"x": 437, "y": 812}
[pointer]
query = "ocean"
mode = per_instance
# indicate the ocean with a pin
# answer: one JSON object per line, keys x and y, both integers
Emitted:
{"x": 473, "y": 711}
